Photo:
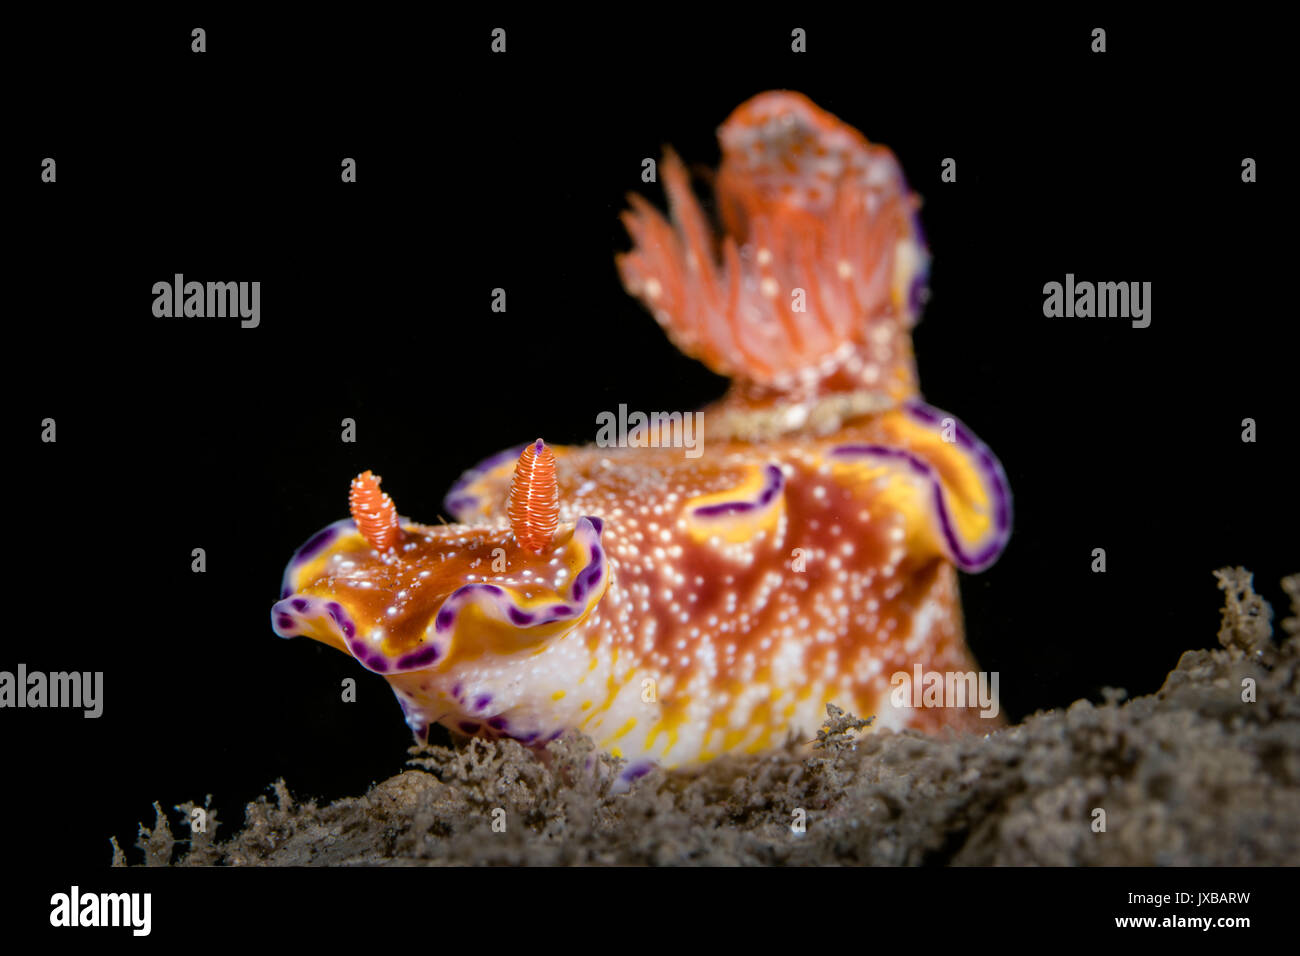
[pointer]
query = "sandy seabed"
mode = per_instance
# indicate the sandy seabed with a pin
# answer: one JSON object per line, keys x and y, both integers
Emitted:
{"x": 1191, "y": 775}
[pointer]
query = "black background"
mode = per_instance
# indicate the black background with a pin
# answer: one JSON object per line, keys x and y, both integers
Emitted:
{"x": 479, "y": 171}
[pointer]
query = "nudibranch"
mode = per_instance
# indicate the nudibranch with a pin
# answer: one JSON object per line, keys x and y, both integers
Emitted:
{"x": 678, "y": 607}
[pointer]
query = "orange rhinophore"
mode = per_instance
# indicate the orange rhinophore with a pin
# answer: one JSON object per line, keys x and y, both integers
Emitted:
{"x": 373, "y": 511}
{"x": 534, "y": 506}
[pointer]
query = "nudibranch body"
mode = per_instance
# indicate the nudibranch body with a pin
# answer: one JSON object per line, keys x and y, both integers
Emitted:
{"x": 672, "y": 607}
